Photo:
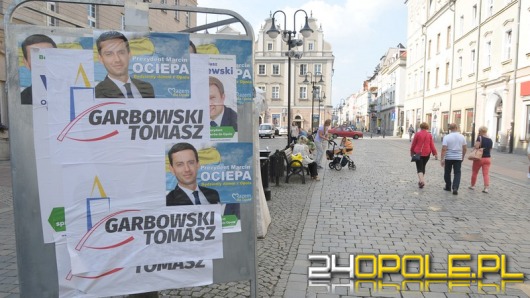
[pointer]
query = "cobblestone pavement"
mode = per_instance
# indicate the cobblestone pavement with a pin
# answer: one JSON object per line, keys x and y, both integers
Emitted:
{"x": 374, "y": 209}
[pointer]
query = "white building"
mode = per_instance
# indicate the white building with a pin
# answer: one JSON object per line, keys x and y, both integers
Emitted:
{"x": 474, "y": 62}
{"x": 313, "y": 58}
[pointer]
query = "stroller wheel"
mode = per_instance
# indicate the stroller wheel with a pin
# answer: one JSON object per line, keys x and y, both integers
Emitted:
{"x": 338, "y": 166}
{"x": 331, "y": 165}
{"x": 351, "y": 165}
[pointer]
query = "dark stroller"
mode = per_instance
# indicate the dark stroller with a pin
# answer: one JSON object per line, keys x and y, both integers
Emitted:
{"x": 340, "y": 159}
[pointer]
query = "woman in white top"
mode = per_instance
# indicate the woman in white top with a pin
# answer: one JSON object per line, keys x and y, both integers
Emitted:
{"x": 302, "y": 148}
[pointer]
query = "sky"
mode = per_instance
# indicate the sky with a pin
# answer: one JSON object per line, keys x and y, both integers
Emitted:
{"x": 360, "y": 31}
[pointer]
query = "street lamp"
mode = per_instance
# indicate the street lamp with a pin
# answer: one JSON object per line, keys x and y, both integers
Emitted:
{"x": 319, "y": 102}
{"x": 313, "y": 94}
{"x": 287, "y": 37}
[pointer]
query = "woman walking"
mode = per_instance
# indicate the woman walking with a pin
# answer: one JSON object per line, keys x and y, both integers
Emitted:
{"x": 424, "y": 145}
{"x": 485, "y": 162}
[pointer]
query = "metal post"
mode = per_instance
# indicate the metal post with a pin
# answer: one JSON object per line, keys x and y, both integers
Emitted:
{"x": 312, "y": 106}
{"x": 289, "y": 94}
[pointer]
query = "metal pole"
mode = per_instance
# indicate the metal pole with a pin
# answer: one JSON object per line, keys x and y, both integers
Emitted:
{"x": 312, "y": 106}
{"x": 289, "y": 93}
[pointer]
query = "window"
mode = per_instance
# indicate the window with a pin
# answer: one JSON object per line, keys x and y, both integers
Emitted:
{"x": 317, "y": 69}
{"x": 457, "y": 119}
{"x": 261, "y": 69}
{"x": 262, "y": 88}
{"x": 163, "y": 2}
{"x": 429, "y": 50}
{"x": 469, "y": 120}
{"x": 275, "y": 92}
{"x": 420, "y": 79}
{"x": 122, "y": 22}
{"x": 438, "y": 43}
{"x": 92, "y": 15}
{"x": 177, "y": 14}
{"x": 448, "y": 42}
{"x": 473, "y": 61}
{"x": 447, "y": 70}
{"x": 436, "y": 77}
{"x": 303, "y": 69}
{"x": 188, "y": 19}
{"x": 276, "y": 69}
{"x": 51, "y": 21}
{"x": 303, "y": 92}
{"x": 460, "y": 61}
{"x": 489, "y": 8}
{"x": 310, "y": 46}
{"x": 269, "y": 46}
{"x": 507, "y": 44}
{"x": 474, "y": 14}
{"x": 445, "y": 121}
{"x": 461, "y": 28}
{"x": 487, "y": 54}
{"x": 428, "y": 80}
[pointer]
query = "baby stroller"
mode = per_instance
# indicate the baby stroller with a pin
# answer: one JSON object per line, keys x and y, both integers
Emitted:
{"x": 340, "y": 159}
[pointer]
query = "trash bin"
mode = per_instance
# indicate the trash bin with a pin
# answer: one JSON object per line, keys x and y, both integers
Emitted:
{"x": 265, "y": 166}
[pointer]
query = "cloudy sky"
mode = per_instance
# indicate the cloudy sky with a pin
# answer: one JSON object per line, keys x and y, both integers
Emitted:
{"x": 359, "y": 31}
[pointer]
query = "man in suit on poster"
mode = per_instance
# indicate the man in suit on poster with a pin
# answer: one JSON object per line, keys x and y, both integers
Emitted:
{"x": 220, "y": 115}
{"x": 114, "y": 53}
{"x": 184, "y": 164}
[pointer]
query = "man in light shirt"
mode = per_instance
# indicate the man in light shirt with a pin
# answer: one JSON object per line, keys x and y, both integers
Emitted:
{"x": 114, "y": 53}
{"x": 453, "y": 151}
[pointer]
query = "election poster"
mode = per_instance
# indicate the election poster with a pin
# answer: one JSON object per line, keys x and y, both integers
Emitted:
{"x": 242, "y": 50}
{"x": 223, "y": 102}
{"x": 138, "y": 176}
{"x": 157, "y": 64}
{"x": 146, "y": 278}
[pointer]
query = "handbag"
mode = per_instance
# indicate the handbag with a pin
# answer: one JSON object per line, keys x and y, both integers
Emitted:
{"x": 417, "y": 156}
{"x": 476, "y": 153}
{"x": 296, "y": 157}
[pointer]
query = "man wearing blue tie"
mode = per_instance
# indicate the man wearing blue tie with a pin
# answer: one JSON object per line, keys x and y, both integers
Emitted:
{"x": 184, "y": 164}
{"x": 114, "y": 54}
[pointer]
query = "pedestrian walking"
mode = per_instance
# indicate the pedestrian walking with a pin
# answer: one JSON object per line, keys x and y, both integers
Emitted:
{"x": 483, "y": 141}
{"x": 320, "y": 138}
{"x": 423, "y": 144}
{"x": 411, "y": 132}
{"x": 295, "y": 131}
{"x": 453, "y": 151}
{"x": 302, "y": 148}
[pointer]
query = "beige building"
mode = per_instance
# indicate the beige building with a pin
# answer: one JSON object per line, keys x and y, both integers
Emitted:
{"x": 86, "y": 16}
{"x": 474, "y": 62}
{"x": 313, "y": 58}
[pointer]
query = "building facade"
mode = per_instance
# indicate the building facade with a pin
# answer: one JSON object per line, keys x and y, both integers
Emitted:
{"x": 311, "y": 62}
{"x": 475, "y": 62}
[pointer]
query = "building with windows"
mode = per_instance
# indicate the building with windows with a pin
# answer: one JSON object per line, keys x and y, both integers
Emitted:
{"x": 474, "y": 64}
{"x": 312, "y": 60}
{"x": 87, "y": 16}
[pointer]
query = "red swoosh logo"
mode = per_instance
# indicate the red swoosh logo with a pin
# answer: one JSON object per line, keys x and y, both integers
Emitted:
{"x": 87, "y": 235}
{"x": 70, "y": 275}
{"x": 72, "y": 123}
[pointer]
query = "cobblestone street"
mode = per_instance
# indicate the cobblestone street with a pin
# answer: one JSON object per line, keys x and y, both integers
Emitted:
{"x": 375, "y": 209}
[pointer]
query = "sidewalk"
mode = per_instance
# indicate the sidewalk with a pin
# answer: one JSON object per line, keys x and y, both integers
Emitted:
{"x": 375, "y": 209}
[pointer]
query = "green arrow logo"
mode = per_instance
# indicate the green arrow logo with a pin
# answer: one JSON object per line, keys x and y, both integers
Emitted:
{"x": 57, "y": 220}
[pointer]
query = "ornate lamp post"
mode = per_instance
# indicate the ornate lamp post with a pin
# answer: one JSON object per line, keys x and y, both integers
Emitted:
{"x": 313, "y": 95}
{"x": 288, "y": 38}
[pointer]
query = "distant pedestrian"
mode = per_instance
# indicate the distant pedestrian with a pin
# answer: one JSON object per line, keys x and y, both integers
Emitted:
{"x": 295, "y": 131}
{"x": 485, "y": 162}
{"x": 400, "y": 131}
{"x": 528, "y": 153}
{"x": 320, "y": 139}
{"x": 453, "y": 151}
{"x": 423, "y": 144}
{"x": 379, "y": 130}
{"x": 411, "y": 132}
